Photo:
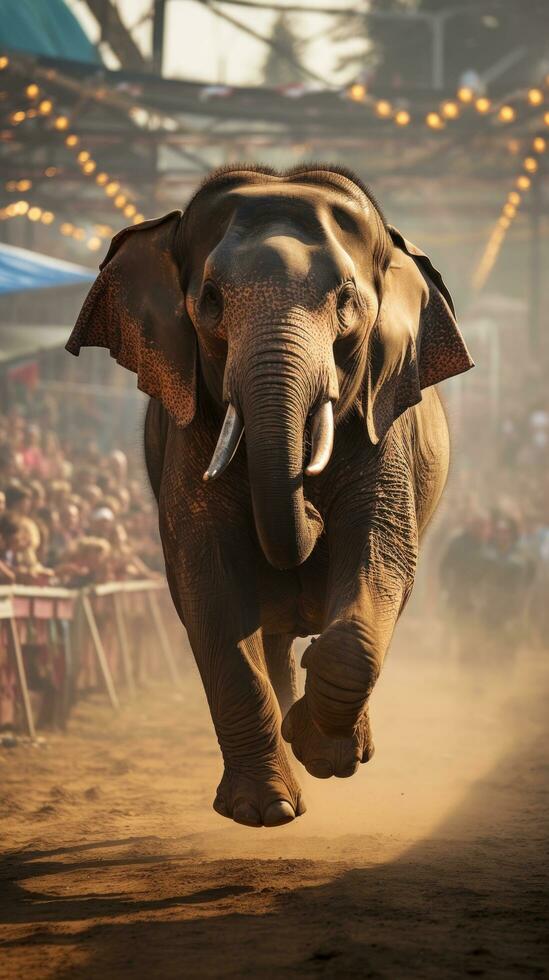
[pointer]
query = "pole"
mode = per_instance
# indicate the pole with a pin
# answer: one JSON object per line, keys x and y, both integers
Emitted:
{"x": 159, "y": 25}
{"x": 438, "y": 23}
{"x": 535, "y": 266}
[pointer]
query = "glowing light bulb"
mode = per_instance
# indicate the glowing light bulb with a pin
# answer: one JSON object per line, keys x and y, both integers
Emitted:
{"x": 383, "y": 108}
{"x": 433, "y": 120}
{"x": 32, "y": 91}
{"x": 357, "y": 92}
{"x": 535, "y": 96}
{"x": 514, "y": 198}
{"x": 47, "y": 217}
{"x": 483, "y": 104}
{"x": 402, "y": 117}
{"x": 112, "y": 188}
{"x": 120, "y": 200}
{"x": 530, "y": 164}
{"x": 61, "y": 123}
{"x": 130, "y": 210}
{"x": 45, "y": 107}
{"x": 94, "y": 243}
{"x": 506, "y": 113}
{"x": 523, "y": 182}
{"x": 539, "y": 144}
{"x": 34, "y": 214}
{"x": 83, "y": 156}
{"x": 450, "y": 110}
{"x": 89, "y": 166}
{"x": 465, "y": 94}
{"x": 72, "y": 140}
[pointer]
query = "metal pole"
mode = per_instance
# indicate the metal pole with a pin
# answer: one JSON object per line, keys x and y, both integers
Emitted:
{"x": 437, "y": 77}
{"x": 120, "y": 618}
{"x": 159, "y": 25}
{"x": 163, "y": 638}
{"x": 535, "y": 266}
{"x": 21, "y": 677}
{"x": 100, "y": 652}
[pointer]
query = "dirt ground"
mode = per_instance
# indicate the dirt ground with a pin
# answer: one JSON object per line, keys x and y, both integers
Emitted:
{"x": 432, "y": 862}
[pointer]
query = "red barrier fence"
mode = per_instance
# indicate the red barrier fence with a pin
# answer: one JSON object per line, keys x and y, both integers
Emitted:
{"x": 56, "y": 644}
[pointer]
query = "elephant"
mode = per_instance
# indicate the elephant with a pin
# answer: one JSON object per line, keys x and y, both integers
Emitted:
{"x": 290, "y": 341}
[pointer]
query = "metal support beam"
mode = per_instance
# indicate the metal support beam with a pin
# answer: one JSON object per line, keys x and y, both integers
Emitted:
{"x": 159, "y": 26}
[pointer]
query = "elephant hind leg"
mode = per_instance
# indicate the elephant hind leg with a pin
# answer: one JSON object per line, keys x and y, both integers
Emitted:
{"x": 280, "y": 660}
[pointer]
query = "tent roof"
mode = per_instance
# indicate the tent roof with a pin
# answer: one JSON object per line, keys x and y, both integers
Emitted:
{"x": 45, "y": 29}
{"x": 21, "y": 269}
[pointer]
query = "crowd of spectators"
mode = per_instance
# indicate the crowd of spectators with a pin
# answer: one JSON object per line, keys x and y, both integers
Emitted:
{"x": 494, "y": 567}
{"x": 72, "y": 512}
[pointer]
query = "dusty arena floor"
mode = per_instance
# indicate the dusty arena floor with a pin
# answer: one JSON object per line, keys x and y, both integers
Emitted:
{"x": 431, "y": 863}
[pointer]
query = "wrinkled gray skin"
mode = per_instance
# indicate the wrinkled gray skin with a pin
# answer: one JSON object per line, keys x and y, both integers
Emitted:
{"x": 283, "y": 280}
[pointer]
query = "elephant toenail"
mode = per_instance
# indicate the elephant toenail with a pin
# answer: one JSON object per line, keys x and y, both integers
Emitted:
{"x": 220, "y": 807}
{"x": 347, "y": 771}
{"x": 278, "y": 813}
{"x": 247, "y": 814}
{"x": 321, "y": 768}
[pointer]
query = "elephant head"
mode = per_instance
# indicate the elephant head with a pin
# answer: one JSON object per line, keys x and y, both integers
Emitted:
{"x": 288, "y": 300}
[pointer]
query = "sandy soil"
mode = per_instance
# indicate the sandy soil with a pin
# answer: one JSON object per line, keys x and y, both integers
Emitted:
{"x": 432, "y": 862}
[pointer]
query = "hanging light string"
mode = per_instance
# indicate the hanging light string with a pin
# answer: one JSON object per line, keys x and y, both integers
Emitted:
{"x": 24, "y": 209}
{"x": 514, "y": 200}
{"x": 502, "y": 112}
{"x": 43, "y": 106}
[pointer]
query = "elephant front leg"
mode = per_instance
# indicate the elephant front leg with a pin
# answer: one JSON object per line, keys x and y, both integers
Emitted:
{"x": 370, "y": 580}
{"x": 258, "y": 787}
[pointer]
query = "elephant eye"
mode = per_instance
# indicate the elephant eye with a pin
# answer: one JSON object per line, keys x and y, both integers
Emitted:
{"x": 211, "y": 301}
{"x": 347, "y": 305}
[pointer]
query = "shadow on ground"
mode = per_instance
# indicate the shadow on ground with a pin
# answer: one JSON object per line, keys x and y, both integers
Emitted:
{"x": 469, "y": 901}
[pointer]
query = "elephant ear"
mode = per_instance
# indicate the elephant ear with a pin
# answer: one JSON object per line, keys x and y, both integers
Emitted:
{"x": 416, "y": 341}
{"x": 136, "y": 309}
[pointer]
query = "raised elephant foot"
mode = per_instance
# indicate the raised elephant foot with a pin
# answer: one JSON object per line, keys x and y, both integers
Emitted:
{"x": 322, "y": 756}
{"x": 268, "y": 800}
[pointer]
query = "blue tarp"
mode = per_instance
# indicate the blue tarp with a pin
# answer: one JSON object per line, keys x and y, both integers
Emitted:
{"x": 21, "y": 269}
{"x": 44, "y": 27}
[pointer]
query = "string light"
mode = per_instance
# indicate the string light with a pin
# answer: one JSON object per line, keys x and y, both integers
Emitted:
{"x": 483, "y": 104}
{"x": 535, "y": 96}
{"x": 506, "y": 113}
{"x": 384, "y": 108}
{"x": 72, "y": 140}
{"x": 4, "y": 62}
{"x": 402, "y": 117}
{"x": 465, "y": 94}
{"x": 45, "y": 107}
{"x": 357, "y": 92}
{"x": 508, "y": 214}
{"x": 434, "y": 121}
{"x": 61, "y": 123}
{"x": 32, "y": 91}
{"x": 450, "y": 110}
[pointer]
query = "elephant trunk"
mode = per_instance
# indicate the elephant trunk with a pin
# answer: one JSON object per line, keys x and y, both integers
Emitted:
{"x": 276, "y": 400}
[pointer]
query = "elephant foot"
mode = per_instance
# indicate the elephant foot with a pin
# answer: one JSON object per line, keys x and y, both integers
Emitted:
{"x": 342, "y": 668}
{"x": 268, "y": 799}
{"x": 322, "y": 756}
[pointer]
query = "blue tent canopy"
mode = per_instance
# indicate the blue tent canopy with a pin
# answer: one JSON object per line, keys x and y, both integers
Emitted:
{"x": 21, "y": 269}
{"x": 45, "y": 27}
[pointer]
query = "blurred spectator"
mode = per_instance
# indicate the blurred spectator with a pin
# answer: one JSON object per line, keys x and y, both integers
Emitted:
{"x": 69, "y": 513}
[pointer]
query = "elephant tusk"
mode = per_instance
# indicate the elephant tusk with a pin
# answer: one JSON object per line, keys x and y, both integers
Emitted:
{"x": 322, "y": 439}
{"x": 227, "y": 444}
